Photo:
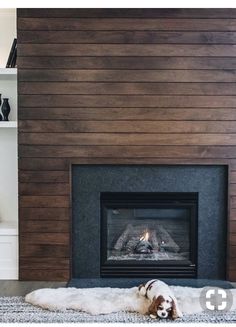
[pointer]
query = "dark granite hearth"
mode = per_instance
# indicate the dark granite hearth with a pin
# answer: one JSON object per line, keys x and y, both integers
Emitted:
{"x": 127, "y": 282}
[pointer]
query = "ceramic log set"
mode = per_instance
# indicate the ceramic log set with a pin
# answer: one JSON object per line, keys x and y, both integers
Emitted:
{"x": 5, "y": 108}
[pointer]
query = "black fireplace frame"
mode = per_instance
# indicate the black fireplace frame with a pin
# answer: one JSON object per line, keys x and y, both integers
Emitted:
{"x": 170, "y": 268}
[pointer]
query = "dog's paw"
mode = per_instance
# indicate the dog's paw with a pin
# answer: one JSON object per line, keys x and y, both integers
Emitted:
{"x": 180, "y": 315}
{"x": 153, "y": 316}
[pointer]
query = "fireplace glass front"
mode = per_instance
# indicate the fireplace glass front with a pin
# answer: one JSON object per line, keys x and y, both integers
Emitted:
{"x": 149, "y": 234}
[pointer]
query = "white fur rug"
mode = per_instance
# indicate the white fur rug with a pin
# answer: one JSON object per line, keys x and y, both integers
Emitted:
{"x": 107, "y": 300}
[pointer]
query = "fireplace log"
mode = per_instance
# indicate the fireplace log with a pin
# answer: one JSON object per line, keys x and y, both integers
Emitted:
{"x": 167, "y": 242}
{"x": 122, "y": 240}
{"x": 143, "y": 246}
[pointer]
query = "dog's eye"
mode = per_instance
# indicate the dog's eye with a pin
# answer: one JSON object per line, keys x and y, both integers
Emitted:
{"x": 160, "y": 308}
{"x": 167, "y": 301}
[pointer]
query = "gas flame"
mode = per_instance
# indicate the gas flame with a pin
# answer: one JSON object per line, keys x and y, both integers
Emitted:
{"x": 145, "y": 237}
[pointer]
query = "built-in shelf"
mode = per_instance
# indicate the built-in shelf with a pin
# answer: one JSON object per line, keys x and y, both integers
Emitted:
{"x": 8, "y": 228}
{"x": 8, "y": 161}
{"x": 8, "y": 71}
{"x": 8, "y": 124}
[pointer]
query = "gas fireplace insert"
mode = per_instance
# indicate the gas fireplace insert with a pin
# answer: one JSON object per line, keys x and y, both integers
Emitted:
{"x": 149, "y": 234}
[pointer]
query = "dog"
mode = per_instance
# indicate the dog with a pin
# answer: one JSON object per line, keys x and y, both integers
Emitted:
{"x": 163, "y": 302}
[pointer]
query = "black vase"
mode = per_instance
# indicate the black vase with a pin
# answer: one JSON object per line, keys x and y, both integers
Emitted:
{"x": 5, "y": 109}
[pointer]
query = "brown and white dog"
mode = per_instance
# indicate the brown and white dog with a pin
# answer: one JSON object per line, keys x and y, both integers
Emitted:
{"x": 163, "y": 302}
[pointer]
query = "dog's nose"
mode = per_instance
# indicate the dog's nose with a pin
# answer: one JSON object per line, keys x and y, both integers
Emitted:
{"x": 163, "y": 314}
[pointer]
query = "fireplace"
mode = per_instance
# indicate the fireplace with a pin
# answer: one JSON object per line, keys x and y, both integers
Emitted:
{"x": 148, "y": 234}
{"x": 118, "y": 210}
{"x": 97, "y": 119}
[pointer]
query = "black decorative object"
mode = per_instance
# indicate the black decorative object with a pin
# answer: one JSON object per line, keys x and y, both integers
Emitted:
{"x": 11, "y": 62}
{"x": 0, "y": 106}
{"x": 5, "y": 109}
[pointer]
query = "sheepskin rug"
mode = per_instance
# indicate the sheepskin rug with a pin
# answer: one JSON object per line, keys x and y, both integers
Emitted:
{"x": 108, "y": 300}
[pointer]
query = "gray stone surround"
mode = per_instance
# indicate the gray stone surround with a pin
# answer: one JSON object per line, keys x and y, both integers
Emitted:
{"x": 88, "y": 181}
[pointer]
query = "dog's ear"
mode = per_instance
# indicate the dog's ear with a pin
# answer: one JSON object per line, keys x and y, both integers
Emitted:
{"x": 140, "y": 286}
{"x": 142, "y": 289}
{"x": 152, "y": 310}
{"x": 175, "y": 312}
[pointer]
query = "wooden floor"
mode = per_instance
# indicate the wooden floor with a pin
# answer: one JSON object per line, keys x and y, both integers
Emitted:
{"x": 17, "y": 288}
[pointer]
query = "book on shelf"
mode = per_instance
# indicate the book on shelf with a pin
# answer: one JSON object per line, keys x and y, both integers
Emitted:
{"x": 11, "y": 62}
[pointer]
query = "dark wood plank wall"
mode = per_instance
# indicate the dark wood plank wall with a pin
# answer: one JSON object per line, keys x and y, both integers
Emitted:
{"x": 117, "y": 86}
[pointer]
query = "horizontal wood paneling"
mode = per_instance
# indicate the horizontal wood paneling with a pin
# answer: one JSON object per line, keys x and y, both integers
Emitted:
{"x": 128, "y": 88}
{"x": 106, "y": 37}
{"x": 131, "y": 13}
{"x": 45, "y": 226}
{"x": 43, "y": 263}
{"x": 40, "y": 165}
{"x": 44, "y": 188}
{"x": 98, "y": 75}
{"x": 44, "y": 176}
{"x": 233, "y": 202}
{"x": 232, "y": 189}
{"x": 117, "y": 86}
{"x": 126, "y": 101}
{"x": 169, "y": 151}
{"x": 139, "y": 50}
{"x": 126, "y": 139}
{"x": 233, "y": 176}
{"x": 160, "y": 24}
{"x": 233, "y": 211}
{"x": 120, "y": 63}
{"x": 232, "y": 253}
{"x": 232, "y": 226}
{"x": 44, "y": 251}
{"x": 45, "y": 274}
{"x": 43, "y": 163}
{"x": 45, "y": 214}
{"x": 44, "y": 201}
{"x": 127, "y": 161}
{"x": 136, "y": 126}
{"x": 48, "y": 238}
{"x": 232, "y": 275}
{"x": 232, "y": 238}
{"x": 126, "y": 119}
